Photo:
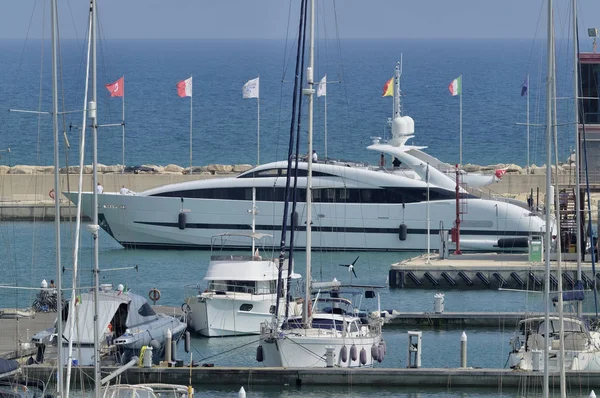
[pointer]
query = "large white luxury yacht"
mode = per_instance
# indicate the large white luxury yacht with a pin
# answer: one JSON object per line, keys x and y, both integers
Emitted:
{"x": 357, "y": 208}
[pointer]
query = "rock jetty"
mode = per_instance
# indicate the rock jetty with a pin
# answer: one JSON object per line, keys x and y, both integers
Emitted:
{"x": 224, "y": 169}
{"x": 211, "y": 169}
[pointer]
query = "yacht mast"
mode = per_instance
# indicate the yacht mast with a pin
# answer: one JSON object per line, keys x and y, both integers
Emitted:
{"x": 577, "y": 154}
{"x": 310, "y": 93}
{"x": 550, "y": 78}
{"x": 93, "y": 116}
{"x": 59, "y": 326}
{"x": 561, "y": 332}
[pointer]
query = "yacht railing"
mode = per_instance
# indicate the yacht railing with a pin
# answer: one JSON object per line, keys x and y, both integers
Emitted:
{"x": 227, "y": 289}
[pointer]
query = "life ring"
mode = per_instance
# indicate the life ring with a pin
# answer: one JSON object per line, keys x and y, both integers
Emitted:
{"x": 51, "y": 193}
{"x": 154, "y": 294}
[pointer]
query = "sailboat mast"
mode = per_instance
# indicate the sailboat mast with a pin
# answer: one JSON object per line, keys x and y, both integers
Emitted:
{"x": 549, "y": 91}
{"x": 561, "y": 332}
{"x": 97, "y": 376}
{"x": 310, "y": 93}
{"x": 59, "y": 326}
{"x": 577, "y": 154}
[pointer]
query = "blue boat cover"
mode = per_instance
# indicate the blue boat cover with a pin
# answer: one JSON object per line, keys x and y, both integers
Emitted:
{"x": 7, "y": 366}
{"x": 572, "y": 295}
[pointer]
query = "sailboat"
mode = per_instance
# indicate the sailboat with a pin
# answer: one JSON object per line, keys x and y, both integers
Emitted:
{"x": 336, "y": 335}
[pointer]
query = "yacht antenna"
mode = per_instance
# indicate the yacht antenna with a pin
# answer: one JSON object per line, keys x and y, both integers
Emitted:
{"x": 397, "y": 91}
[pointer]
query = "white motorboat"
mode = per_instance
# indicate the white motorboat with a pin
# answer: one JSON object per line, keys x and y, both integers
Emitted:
{"x": 241, "y": 291}
{"x": 581, "y": 346}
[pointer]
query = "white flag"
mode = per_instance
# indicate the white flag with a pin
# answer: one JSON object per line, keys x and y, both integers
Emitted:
{"x": 322, "y": 89}
{"x": 250, "y": 89}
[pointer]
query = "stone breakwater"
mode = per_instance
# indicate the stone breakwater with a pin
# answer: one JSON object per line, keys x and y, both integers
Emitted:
{"x": 211, "y": 169}
{"x": 218, "y": 169}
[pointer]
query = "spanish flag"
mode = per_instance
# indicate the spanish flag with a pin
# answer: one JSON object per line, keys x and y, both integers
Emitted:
{"x": 388, "y": 89}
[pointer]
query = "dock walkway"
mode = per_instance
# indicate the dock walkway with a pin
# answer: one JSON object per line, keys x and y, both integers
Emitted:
{"x": 382, "y": 377}
{"x": 483, "y": 271}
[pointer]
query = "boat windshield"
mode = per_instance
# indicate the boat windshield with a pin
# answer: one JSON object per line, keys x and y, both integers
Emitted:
{"x": 251, "y": 287}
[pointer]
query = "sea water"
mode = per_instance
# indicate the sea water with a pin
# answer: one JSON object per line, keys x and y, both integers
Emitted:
{"x": 29, "y": 258}
{"x": 225, "y": 128}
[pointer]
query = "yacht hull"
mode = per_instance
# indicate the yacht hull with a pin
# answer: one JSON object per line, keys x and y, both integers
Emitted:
{"x": 153, "y": 222}
{"x": 291, "y": 350}
{"x": 213, "y": 315}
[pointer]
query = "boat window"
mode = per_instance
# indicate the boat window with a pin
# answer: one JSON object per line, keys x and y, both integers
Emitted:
{"x": 353, "y": 327}
{"x": 264, "y": 287}
{"x": 246, "y": 307}
{"x": 146, "y": 310}
{"x": 240, "y": 286}
{"x": 327, "y": 324}
{"x": 295, "y": 323}
{"x": 590, "y": 75}
{"x": 328, "y": 195}
{"x": 342, "y": 194}
{"x": 272, "y": 309}
{"x": 264, "y": 173}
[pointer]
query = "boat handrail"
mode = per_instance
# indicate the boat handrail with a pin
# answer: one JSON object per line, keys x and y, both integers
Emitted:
{"x": 239, "y": 257}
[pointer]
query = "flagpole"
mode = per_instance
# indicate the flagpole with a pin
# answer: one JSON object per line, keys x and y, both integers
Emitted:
{"x": 527, "y": 124}
{"x": 460, "y": 135}
{"x": 123, "y": 124}
{"x": 428, "y": 219}
{"x": 325, "y": 124}
{"x": 258, "y": 127}
{"x": 191, "y": 113}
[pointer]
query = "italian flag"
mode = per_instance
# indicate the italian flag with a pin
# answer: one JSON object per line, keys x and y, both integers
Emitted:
{"x": 455, "y": 86}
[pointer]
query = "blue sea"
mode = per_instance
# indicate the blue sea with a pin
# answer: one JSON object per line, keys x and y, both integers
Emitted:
{"x": 225, "y": 125}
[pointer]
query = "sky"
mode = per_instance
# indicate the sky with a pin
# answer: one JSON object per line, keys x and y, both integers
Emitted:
{"x": 268, "y": 19}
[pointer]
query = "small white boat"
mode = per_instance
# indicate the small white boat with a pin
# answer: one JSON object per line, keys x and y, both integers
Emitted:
{"x": 241, "y": 290}
{"x": 582, "y": 346}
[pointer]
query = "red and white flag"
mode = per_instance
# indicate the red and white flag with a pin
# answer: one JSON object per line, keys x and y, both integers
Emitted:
{"x": 184, "y": 88}
{"x": 117, "y": 89}
{"x": 499, "y": 173}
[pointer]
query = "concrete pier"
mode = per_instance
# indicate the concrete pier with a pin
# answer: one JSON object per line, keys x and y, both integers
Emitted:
{"x": 483, "y": 271}
{"x": 382, "y": 377}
